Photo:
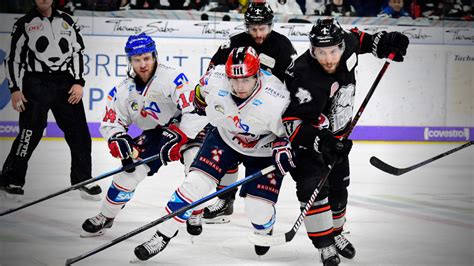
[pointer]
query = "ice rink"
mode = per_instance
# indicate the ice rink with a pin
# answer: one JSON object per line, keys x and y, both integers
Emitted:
{"x": 424, "y": 217}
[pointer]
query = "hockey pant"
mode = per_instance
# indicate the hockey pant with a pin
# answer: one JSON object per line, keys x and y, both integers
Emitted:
{"x": 46, "y": 92}
{"x": 124, "y": 184}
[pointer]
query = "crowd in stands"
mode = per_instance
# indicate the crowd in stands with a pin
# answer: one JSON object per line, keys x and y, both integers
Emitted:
{"x": 431, "y": 9}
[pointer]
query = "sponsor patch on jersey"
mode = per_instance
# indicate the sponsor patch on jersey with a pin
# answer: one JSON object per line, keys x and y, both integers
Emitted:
{"x": 257, "y": 102}
{"x": 134, "y": 106}
{"x": 267, "y": 60}
{"x": 351, "y": 62}
{"x": 65, "y": 25}
{"x": 303, "y": 96}
{"x": 274, "y": 93}
{"x": 334, "y": 88}
{"x": 111, "y": 95}
{"x": 223, "y": 93}
{"x": 219, "y": 108}
{"x": 34, "y": 27}
{"x": 180, "y": 80}
{"x": 64, "y": 32}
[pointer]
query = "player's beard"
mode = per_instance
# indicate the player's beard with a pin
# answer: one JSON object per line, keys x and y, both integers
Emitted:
{"x": 330, "y": 68}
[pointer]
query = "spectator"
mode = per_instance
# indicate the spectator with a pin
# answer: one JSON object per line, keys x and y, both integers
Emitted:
{"x": 47, "y": 52}
{"x": 288, "y": 7}
{"x": 340, "y": 8}
{"x": 394, "y": 9}
{"x": 315, "y": 7}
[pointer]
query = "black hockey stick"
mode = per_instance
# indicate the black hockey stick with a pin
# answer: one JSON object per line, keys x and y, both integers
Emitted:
{"x": 126, "y": 166}
{"x": 400, "y": 171}
{"x": 274, "y": 240}
{"x": 171, "y": 215}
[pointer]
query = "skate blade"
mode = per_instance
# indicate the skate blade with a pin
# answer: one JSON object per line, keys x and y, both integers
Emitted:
{"x": 217, "y": 220}
{"x": 136, "y": 260}
{"x": 13, "y": 197}
{"x": 86, "y": 196}
{"x": 85, "y": 234}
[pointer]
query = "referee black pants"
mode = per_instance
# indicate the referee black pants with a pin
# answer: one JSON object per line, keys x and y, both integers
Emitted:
{"x": 46, "y": 92}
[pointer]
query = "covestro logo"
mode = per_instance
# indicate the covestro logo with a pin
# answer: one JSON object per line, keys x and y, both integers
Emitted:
{"x": 446, "y": 133}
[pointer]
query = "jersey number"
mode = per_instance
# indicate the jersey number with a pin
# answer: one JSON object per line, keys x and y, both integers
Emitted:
{"x": 109, "y": 115}
{"x": 186, "y": 102}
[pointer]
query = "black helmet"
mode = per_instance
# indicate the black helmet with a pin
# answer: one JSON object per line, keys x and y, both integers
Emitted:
{"x": 258, "y": 13}
{"x": 326, "y": 32}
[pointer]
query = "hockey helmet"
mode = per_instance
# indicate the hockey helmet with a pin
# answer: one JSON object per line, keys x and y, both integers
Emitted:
{"x": 140, "y": 44}
{"x": 326, "y": 32}
{"x": 258, "y": 13}
{"x": 242, "y": 62}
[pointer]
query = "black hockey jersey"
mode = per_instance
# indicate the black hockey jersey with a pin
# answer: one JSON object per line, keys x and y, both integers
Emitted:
{"x": 276, "y": 53}
{"x": 315, "y": 92}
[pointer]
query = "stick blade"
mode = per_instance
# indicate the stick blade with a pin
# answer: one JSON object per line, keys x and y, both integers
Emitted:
{"x": 266, "y": 240}
{"x": 379, "y": 164}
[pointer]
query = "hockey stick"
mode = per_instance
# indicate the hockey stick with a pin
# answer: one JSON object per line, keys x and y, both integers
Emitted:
{"x": 171, "y": 215}
{"x": 400, "y": 171}
{"x": 280, "y": 239}
{"x": 126, "y": 166}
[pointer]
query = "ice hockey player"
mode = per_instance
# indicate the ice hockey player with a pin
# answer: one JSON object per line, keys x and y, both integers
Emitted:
{"x": 153, "y": 97}
{"x": 275, "y": 52}
{"x": 245, "y": 106}
{"x": 322, "y": 87}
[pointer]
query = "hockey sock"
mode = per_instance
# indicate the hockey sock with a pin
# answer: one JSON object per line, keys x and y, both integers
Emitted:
{"x": 195, "y": 186}
{"x": 261, "y": 214}
{"x": 319, "y": 224}
{"x": 121, "y": 190}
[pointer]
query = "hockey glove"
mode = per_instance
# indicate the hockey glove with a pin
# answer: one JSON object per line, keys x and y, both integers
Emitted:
{"x": 331, "y": 147}
{"x": 121, "y": 146}
{"x": 386, "y": 43}
{"x": 282, "y": 156}
{"x": 199, "y": 103}
{"x": 171, "y": 141}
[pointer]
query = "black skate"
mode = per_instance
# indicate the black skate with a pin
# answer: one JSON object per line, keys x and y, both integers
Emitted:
{"x": 194, "y": 224}
{"x": 329, "y": 256}
{"x": 14, "y": 192}
{"x": 262, "y": 250}
{"x": 96, "y": 226}
{"x": 219, "y": 212}
{"x": 153, "y": 246}
{"x": 344, "y": 247}
{"x": 90, "y": 192}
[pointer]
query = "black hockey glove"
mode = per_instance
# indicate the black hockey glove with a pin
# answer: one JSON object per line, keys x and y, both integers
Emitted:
{"x": 282, "y": 156}
{"x": 331, "y": 147}
{"x": 121, "y": 146}
{"x": 171, "y": 141}
{"x": 386, "y": 43}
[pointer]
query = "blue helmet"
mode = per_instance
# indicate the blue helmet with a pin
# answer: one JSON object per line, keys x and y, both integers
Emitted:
{"x": 139, "y": 44}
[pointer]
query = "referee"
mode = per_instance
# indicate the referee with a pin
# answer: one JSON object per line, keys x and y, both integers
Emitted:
{"x": 45, "y": 71}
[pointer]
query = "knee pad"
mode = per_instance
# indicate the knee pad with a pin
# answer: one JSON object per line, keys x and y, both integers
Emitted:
{"x": 195, "y": 186}
{"x": 338, "y": 199}
{"x": 261, "y": 213}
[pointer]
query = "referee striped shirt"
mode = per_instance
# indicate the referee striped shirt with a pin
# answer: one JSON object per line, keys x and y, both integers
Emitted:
{"x": 45, "y": 45}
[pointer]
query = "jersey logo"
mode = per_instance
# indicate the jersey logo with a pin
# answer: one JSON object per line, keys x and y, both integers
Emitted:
{"x": 238, "y": 124}
{"x": 267, "y": 60}
{"x": 151, "y": 110}
{"x": 303, "y": 96}
{"x": 257, "y": 102}
{"x": 180, "y": 80}
{"x": 111, "y": 95}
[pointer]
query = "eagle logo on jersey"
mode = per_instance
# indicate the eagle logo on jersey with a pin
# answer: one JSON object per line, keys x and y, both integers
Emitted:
{"x": 341, "y": 107}
{"x": 303, "y": 96}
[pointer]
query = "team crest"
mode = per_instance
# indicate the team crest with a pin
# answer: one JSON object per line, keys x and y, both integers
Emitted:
{"x": 216, "y": 155}
{"x": 134, "y": 106}
{"x": 303, "y": 96}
